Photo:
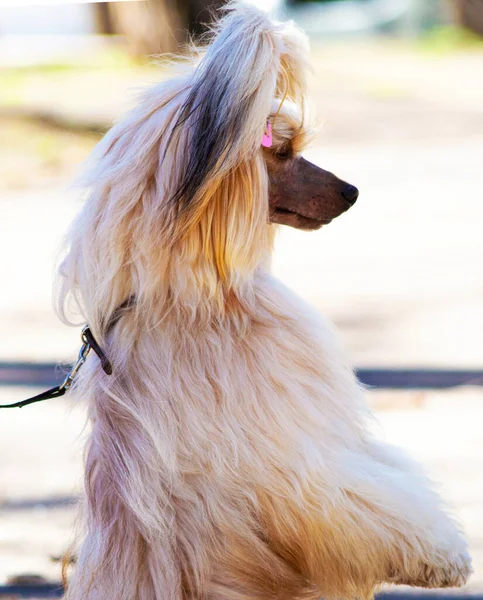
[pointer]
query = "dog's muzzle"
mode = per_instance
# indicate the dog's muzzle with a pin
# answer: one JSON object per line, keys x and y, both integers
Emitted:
{"x": 305, "y": 196}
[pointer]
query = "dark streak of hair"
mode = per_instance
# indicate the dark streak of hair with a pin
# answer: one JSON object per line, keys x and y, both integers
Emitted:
{"x": 213, "y": 125}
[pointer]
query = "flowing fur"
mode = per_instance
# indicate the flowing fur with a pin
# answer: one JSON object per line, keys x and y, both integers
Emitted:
{"x": 229, "y": 457}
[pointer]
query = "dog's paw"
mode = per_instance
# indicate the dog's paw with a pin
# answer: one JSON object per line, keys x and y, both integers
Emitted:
{"x": 454, "y": 574}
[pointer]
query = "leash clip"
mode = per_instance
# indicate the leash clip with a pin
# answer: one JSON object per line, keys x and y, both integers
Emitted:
{"x": 88, "y": 343}
{"x": 81, "y": 359}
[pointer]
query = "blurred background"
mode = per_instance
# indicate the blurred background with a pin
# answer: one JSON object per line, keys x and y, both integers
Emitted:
{"x": 397, "y": 89}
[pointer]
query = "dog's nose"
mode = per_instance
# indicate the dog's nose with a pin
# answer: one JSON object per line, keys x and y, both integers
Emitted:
{"x": 350, "y": 193}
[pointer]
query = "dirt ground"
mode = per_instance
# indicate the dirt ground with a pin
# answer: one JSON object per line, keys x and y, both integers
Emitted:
{"x": 400, "y": 274}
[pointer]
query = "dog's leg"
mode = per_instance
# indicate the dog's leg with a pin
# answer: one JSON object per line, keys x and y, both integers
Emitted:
{"x": 111, "y": 563}
{"x": 443, "y": 559}
{"x": 125, "y": 554}
{"x": 363, "y": 519}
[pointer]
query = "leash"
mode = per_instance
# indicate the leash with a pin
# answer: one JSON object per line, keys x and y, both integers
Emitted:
{"x": 88, "y": 343}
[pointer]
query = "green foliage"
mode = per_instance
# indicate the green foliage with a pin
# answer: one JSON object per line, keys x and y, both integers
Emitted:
{"x": 449, "y": 38}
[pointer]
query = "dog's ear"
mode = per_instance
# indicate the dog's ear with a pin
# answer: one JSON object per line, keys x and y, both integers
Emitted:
{"x": 251, "y": 61}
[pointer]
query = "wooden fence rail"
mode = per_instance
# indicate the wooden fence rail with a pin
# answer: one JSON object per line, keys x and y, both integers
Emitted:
{"x": 50, "y": 374}
{"x": 54, "y": 590}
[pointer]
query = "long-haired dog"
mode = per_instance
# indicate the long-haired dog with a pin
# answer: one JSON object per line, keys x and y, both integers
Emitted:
{"x": 229, "y": 457}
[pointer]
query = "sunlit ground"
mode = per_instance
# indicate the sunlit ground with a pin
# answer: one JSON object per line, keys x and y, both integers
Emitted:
{"x": 400, "y": 274}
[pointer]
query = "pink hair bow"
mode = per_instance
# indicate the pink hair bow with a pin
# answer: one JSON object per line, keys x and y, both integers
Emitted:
{"x": 267, "y": 136}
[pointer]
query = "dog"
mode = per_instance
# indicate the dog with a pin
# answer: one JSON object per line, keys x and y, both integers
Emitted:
{"x": 229, "y": 456}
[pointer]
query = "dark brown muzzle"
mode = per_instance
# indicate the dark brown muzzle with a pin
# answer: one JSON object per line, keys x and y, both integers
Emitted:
{"x": 305, "y": 196}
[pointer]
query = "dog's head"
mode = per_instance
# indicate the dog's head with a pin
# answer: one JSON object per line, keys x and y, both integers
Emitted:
{"x": 183, "y": 196}
{"x": 301, "y": 194}
{"x": 253, "y": 74}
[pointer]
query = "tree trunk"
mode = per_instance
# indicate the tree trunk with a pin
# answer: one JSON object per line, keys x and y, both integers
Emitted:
{"x": 202, "y": 13}
{"x": 469, "y": 14}
{"x": 160, "y": 26}
{"x": 103, "y": 18}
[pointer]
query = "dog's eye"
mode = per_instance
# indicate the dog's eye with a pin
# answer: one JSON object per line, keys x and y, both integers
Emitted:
{"x": 284, "y": 152}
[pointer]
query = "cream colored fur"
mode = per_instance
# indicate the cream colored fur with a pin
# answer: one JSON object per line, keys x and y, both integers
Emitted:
{"x": 229, "y": 457}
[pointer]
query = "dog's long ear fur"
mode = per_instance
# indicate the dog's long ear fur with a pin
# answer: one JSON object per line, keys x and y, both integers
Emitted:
{"x": 178, "y": 191}
{"x": 251, "y": 61}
